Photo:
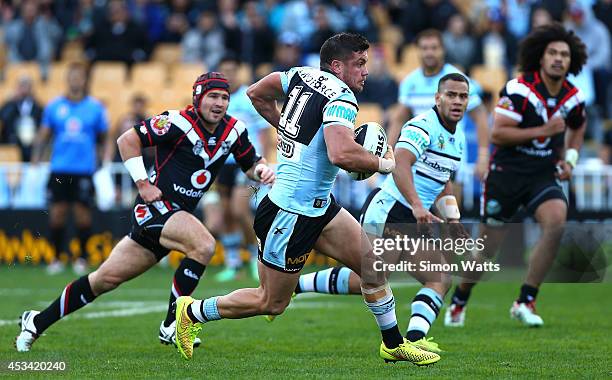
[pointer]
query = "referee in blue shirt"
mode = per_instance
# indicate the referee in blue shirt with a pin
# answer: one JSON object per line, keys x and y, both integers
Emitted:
{"x": 78, "y": 123}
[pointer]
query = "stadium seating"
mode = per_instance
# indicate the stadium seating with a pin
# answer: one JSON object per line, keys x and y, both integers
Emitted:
{"x": 491, "y": 79}
{"x": 168, "y": 54}
{"x": 149, "y": 74}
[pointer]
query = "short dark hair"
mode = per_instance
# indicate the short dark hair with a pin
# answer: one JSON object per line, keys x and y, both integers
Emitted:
{"x": 430, "y": 33}
{"x": 341, "y": 46}
{"x": 533, "y": 46}
{"x": 457, "y": 77}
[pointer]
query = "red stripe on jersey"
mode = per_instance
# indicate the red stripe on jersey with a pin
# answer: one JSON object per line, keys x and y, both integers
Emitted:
{"x": 226, "y": 132}
{"x": 245, "y": 152}
{"x": 148, "y": 134}
{"x": 564, "y": 100}
{"x": 169, "y": 157}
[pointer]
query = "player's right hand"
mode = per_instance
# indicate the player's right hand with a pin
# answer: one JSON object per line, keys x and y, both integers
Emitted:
{"x": 148, "y": 192}
{"x": 425, "y": 216}
{"x": 386, "y": 163}
{"x": 554, "y": 126}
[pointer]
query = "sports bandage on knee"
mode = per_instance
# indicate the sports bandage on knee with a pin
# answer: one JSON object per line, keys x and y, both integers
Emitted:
{"x": 135, "y": 166}
{"x": 448, "y": 207}
{"x": 384, "y": 287}
{"x": 571, "y": 157}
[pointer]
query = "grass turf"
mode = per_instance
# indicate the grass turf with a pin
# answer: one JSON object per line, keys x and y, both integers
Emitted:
{"x": 317, "y": 337}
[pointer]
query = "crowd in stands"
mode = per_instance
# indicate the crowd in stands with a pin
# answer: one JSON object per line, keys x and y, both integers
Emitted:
{"x": 274, "y": 35}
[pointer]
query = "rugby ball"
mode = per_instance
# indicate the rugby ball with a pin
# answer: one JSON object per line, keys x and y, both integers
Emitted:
{"x": 373, "y": 138}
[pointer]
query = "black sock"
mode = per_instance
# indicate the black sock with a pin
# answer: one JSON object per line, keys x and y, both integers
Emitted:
{"x": 460, "y": 297}
{"x": 528, "y": 294}
{"x": 414, "y": 335}
{"x": 57, "y": 236}
{"x": 392, "y": 337}
{"x": 75, "y": 295}
{"x": 84, "y": 234}
{"x": 185, "y": 281}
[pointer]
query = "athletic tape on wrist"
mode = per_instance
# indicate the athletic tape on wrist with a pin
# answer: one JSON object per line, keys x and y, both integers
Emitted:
{"x": 135, "y": 166}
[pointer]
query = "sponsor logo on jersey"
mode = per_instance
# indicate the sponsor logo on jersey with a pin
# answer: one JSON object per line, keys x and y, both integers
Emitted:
{"x": 188, "y": 192}
{"x": 142, "y": 213}
{"x": 212, "y": 141}
{"x": 200, "y": 179}
{"x": 435, "y": 165}
{"x": 338, "y": 111}
{"x": 285, "y": 147}
{"x": 160, "y": 124}
{"x": 143, "y": 129}
{"x": 198, "y": 147}
{"x": 541, "y": 142}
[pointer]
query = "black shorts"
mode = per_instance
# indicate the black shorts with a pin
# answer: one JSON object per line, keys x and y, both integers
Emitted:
{"x": 71, "y": 188}
{"x": 148, "y": 222}
{"x": 505, "y": 193}
{"x": 231, "y": 175}
{"x": 285, "y": 239}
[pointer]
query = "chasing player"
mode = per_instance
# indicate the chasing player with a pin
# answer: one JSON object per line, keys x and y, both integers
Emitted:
{"x": 428, "y": 151}
{"x": 538, "y": 130}
{"x": 316, "y": 137}
{"x": 185, "y": 167}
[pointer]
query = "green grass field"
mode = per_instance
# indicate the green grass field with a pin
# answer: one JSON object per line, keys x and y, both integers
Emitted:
{"x": 320, "y": 336}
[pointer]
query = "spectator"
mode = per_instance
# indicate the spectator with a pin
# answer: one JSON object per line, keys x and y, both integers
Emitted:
{"x": 150, "y": 16}
{"x": 288, "y": 52}
{"x": 357, "y": 20}
{"x": 299, "y": 18}
{"x": 228, "y": 19}
{"x": 20, "y": 118}
{"x": 540, "y": 17}
{"x": 205, "y": 42}
{"x": 275, "y": 10}
{"x": 118, "y": 38}
{"x": 603, "y": 11}
{"x": 177, "y": 21}
{"x": 460, "y": 46}
{"x": 416, "y": 16}
{"x": 323, "y": 30}
{"x": 596, "y": 37}
{"x": 380, "y": 87}
{"x": 497, "y": 46}
{"x": 257, "y": 37}
{"x": 32, "y": 37}
{"x": 77, "y": 123}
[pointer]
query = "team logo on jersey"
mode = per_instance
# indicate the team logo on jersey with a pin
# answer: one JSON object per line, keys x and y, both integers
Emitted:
{"x": 441, "y": 141}
{"x": 505, "y": 103}
{"x": 225, "y": 147}
{"x": 198, "y": 147}
{"x": 200, "y": 179}
{"x": 160, "y": 124}
{"x": 142, "y": 214}
{"x": 541, "y": 142}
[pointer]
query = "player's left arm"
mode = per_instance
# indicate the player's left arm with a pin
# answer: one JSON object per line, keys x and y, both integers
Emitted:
{"x": 479, "y": 115}
{"x": 261, "y": 172}
{"x": 574, "y": 137}
{"x": 264, "y": 94}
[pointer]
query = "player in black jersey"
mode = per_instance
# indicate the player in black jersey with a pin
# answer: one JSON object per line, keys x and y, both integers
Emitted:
{"x": 191, "y": 146}
{"x": 538, "y": 130}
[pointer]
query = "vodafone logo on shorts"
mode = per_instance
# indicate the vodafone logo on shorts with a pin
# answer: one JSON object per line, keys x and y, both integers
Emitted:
{"x": 200, "y": 179}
